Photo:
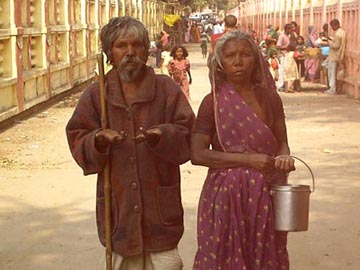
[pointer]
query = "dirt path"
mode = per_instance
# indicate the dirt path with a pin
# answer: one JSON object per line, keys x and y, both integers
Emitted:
{"x": 47, "y": 206}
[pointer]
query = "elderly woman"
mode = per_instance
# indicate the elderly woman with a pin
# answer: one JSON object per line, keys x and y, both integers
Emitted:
{"x": 243, "y": 121}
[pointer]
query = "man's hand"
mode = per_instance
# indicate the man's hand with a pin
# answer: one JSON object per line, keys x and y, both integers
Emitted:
{"x": 105, "y": 137}
{"x": 152, "y": 136}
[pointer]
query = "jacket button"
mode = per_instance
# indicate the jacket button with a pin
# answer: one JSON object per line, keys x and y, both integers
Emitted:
{"x": 133, "y": 185}
{"x": 137, "y": 209}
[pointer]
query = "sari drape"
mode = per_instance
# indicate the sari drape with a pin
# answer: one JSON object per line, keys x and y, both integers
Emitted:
{"x": 235, "y": 215}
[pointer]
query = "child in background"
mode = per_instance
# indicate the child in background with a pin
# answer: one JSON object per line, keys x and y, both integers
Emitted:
{"x": 274, "y": 64}
{"x": 270, "y": 44}
{"x": 203, "y": 45}
{"x": 179, "y": 69}
{"x": 165, "y": 59}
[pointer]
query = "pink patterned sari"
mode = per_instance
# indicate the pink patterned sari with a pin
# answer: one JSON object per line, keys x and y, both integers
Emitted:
{"x": 178, "y": 70}
{"x": 235, "y": 215}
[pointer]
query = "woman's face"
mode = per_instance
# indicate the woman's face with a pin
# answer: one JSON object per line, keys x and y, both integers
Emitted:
{"x": 179, "y": 53}
{"x": 238, "y": 61}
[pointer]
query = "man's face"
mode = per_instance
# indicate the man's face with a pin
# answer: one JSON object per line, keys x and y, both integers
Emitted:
{"x": 334, "y": 26}
{"x": 288, "y": 30}
{"x": 130, "y": 56}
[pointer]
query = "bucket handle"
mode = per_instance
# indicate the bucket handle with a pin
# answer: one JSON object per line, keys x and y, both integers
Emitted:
{"x": 307, "y": 166}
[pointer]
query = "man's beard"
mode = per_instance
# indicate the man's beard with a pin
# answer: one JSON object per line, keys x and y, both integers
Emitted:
{"x": 130, "y": 68}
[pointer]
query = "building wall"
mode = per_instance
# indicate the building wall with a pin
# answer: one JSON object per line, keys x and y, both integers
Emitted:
{"x": 312, "y": 12}
{"x": 49, "y": 46}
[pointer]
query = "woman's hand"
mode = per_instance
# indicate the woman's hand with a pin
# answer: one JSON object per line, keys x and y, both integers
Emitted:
{"x": 262, "y": 162}
{"x": 284, "y": 163}
{"x": 105, "y": 137}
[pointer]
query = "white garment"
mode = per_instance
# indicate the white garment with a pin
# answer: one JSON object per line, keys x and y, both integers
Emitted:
{"x": 169, "y": 260}
{"x": 332, "y": 68}
{"x": 165, "y": 55}
{"x": 217, "y": 29}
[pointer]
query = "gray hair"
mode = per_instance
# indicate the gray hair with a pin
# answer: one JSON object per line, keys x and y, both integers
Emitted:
{"x": 119, "y": 26}
{"x": 219, "y": 53}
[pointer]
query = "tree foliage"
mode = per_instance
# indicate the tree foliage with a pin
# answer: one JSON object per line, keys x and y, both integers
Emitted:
{"x": 199, "y": 4}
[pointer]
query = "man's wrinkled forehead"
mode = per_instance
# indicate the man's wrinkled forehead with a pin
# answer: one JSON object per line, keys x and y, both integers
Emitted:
{"x": 131, "y": 31}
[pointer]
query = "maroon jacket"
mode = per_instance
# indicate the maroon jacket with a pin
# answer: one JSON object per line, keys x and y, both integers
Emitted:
{"x": 147, "y": 213}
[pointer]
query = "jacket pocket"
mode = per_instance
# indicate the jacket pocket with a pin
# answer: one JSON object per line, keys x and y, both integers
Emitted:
{"x": 100, "y": 215}
{"x": 169, "y": 204}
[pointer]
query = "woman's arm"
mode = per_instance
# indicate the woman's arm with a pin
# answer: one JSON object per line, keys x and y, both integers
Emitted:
{"x": 283, "y": 160}
{"x": 170, "y": 69}
{"x": 188, "y": 70}
{"x": 190, "y": 78}
{"x": 202, "y": 155}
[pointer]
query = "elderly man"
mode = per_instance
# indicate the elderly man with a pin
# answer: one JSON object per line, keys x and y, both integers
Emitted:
{"x": 147, "y": 138}
{"x": 336, "y": 56}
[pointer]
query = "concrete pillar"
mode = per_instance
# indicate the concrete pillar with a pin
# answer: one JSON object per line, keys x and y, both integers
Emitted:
{"x": 301, "y": 22}
{"x": 323, "y": 14}
{"x": 19, "y": 65}
{"x": 339, "y": 10}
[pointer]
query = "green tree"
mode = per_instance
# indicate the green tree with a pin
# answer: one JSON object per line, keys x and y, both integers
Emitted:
{"x": 199, "y": 4}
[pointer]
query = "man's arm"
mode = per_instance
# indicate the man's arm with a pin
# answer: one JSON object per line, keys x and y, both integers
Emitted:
{"x": 81, "y": 131}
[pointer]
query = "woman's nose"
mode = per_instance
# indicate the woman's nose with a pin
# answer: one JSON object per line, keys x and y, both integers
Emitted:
{"x": 238, "y": 60}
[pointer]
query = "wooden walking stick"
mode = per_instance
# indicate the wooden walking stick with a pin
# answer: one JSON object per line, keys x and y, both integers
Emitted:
{"x": 107, "y": 187}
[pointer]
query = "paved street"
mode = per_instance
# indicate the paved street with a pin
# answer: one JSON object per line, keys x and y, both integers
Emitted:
{"x": 47, "y": 206}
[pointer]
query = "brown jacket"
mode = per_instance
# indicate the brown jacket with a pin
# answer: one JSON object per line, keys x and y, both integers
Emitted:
{"x": 147, "y": 213}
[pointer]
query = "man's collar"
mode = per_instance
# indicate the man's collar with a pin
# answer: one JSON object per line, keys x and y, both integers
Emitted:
{"x": 144, "y": 92}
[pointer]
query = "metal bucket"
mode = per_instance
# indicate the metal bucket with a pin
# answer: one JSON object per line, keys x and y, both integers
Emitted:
{"x": 291, "y": 205}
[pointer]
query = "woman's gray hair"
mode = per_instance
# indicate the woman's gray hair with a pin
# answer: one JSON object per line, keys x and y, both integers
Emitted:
{"x": 219, "y": 53}
{"x": 119, "y": 26}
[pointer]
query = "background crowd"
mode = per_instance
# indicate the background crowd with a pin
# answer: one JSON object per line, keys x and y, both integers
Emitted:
{"x": 315, "y": 57}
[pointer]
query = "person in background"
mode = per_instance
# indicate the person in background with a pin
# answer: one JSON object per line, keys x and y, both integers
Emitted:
{"x": 240, "y": 135}
{"x": 274, "y": 63}
{"x": 217, "y": 28}
{"x": 323, "y": 43}
{"x": 179, "y": 69}
{"x": 195, "y": 33}
{"x": 165, "y": 59}
{"x": 146, "y": 140}
{"x": 325, "y": 29}
{"x": 267, "y": 31}
{"x": 299, "y": 60}
{"x": 230, "y": 24}
{"x": 159, "y": 49}
{"x": 337, "y": 54}
{"x": 165, "y": 38}
{"x": 203, "y": 45}
{"x": 270, "y": 44}
{"x": 251, "y": 31}
{"x": 312, "y": 63}
{"x": 296, "y": 28}
{"x": 288, "y": 69}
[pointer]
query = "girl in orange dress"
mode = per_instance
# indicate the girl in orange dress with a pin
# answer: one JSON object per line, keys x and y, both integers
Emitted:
{"x": 179, "y": 69}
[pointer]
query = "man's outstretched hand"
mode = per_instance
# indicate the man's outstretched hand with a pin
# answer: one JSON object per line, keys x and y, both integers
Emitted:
{"x": 106, "y": 137}
{"x": 152, "y": 136}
